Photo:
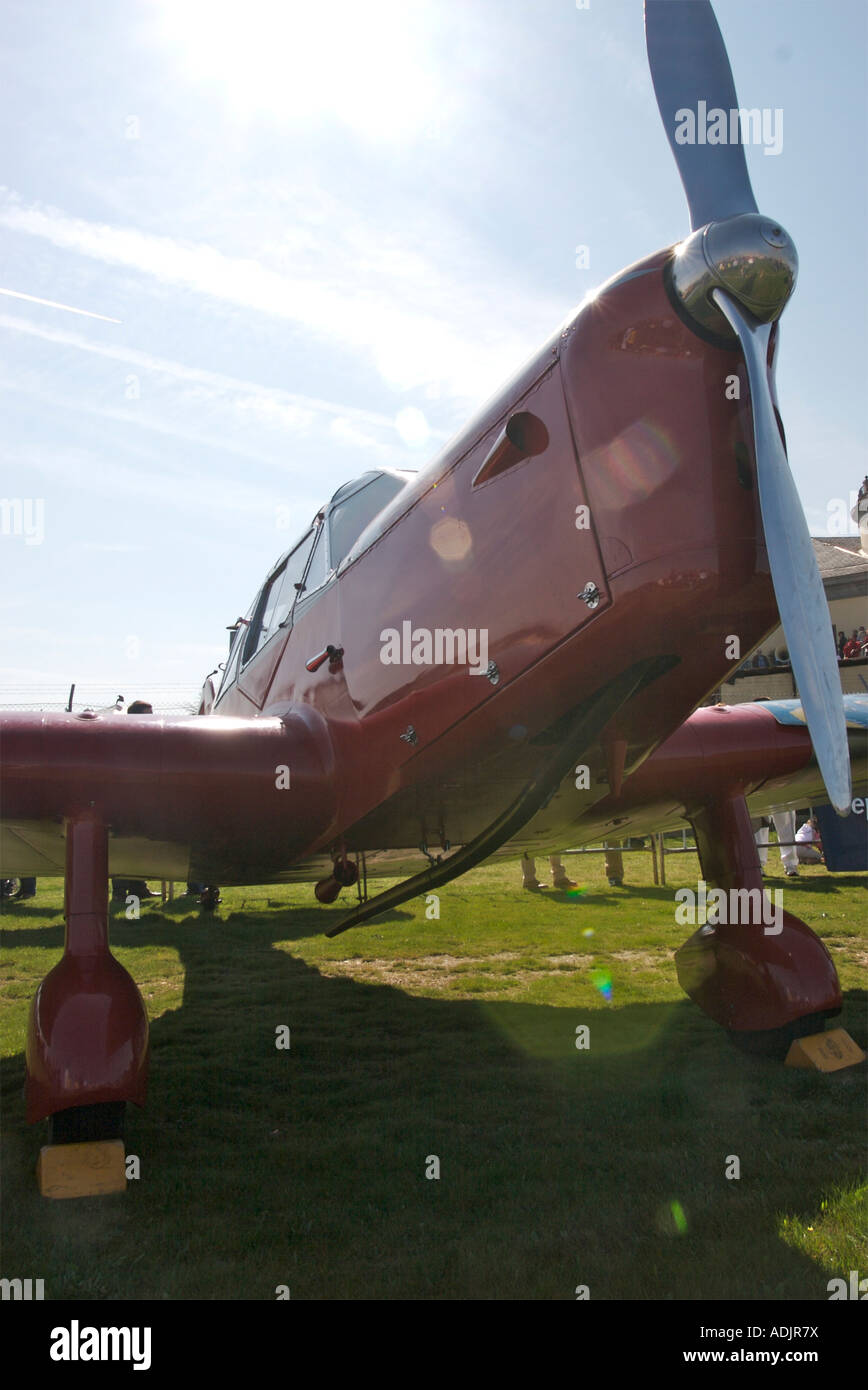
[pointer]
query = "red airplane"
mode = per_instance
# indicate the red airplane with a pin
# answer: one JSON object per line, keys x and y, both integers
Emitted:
{"x": 426, "y": 669}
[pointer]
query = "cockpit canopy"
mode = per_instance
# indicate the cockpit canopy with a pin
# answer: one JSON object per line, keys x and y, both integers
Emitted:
{"x": 355, "y": 505}
{"x": 312, "y": 562}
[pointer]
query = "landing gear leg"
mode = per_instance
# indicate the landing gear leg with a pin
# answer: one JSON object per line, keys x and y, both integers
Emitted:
{"x": 87, "y": 1041}
{"x": 765, "y": 977}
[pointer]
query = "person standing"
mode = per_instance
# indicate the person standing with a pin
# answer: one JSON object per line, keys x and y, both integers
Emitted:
{"x": 614, "y": 864}
{"x": 760, "y": 827}
{"x": 808, "y": 844}
{"x": 530, "y": 881}
{"x": 785, "y": 828}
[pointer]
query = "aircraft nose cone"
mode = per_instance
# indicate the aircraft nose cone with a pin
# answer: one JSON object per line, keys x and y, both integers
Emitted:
{"x": 755, "y": 260}
{"x": 750, "y": 256}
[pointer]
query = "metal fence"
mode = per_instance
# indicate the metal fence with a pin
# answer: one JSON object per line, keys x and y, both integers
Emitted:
{"x": 654, "y": 844}
{"x": 166, "y": 699}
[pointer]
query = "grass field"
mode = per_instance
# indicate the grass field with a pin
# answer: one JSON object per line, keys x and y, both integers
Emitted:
{"x": 453, "y": 1038}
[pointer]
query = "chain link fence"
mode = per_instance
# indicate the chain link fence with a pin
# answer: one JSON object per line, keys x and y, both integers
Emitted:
{"x": 166, "y": 699}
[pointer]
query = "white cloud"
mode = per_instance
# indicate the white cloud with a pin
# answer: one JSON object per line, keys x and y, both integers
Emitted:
{"x": 119, "y": 547}
{"x": 28, "y": 384}
{"x": 347, "y": 433}
{"x": 412, "y": 427}
{"x": 365, "y": 67}
{"x": 108, "y": 476}
{"x": 293, "y": 411}
{"x": 419, "y": 319}
{"x": 53, "y": 304}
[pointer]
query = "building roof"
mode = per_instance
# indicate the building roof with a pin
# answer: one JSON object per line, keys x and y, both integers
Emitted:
{"x": 851, "y": 543}
{"x": 839, "y": 557}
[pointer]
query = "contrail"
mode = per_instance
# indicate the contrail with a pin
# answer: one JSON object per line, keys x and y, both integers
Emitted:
{"x": 52, "y": 304}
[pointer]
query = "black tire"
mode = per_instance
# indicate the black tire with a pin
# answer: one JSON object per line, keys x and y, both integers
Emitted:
{"x": 86, "y": 1123}
{"x": 774, "y": 1043}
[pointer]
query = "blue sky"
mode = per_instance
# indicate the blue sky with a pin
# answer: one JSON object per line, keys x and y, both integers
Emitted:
{"x": 329, "y": 232}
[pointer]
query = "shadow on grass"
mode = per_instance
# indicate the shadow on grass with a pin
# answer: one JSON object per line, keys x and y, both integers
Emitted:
{"x": 824, "y": 883}
{"x": 558, "y": 1166}
{"x": 31, "y": 911}
{"x": 817, "y": 885}
{"x": 626, "y": 893}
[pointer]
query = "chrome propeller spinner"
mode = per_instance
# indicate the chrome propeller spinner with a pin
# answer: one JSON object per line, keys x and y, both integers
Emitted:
{"x": 749, "y": 256}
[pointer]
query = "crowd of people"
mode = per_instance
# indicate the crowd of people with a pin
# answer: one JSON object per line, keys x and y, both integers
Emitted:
{"x": 802, "y": 846}
{"x": 852, "y": 648}
{"x": 614, "y": 869}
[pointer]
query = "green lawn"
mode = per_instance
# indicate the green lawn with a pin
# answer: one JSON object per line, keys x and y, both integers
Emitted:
{"x": 452, "y": 1038}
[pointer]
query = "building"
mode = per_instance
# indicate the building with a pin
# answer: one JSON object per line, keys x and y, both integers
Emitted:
{"x": 843, "y": 565}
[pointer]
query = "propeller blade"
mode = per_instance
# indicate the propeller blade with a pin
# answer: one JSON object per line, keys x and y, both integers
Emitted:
{"x": 691, "y": 73}
{"x": 798, "y": 587}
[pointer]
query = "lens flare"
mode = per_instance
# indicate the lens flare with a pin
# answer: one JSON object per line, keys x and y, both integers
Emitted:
{"x": 602, "y": 980}
{"x": 451, "y": 539}
{"x": 678, "y": 1217}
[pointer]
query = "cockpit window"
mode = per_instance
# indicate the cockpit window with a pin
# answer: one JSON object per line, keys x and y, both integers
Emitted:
{"x": 347, "y": 520}
{"x": 236, "y": 643}
{"x": 261, "y": 617}
{"x": 290, "y": 583}
{"x": 352, "y": 508}
{"x": 275, "y": 603}
{"x": 316, "y": 574}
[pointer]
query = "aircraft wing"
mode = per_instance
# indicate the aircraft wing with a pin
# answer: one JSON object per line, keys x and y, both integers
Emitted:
{"x": 761, "y": 750}
{"x": 213, "y": 798}
{"x": 227, "y": 800}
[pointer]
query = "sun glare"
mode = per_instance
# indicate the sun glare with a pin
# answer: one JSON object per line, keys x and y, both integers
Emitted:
{"x": 363, "y": 65}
